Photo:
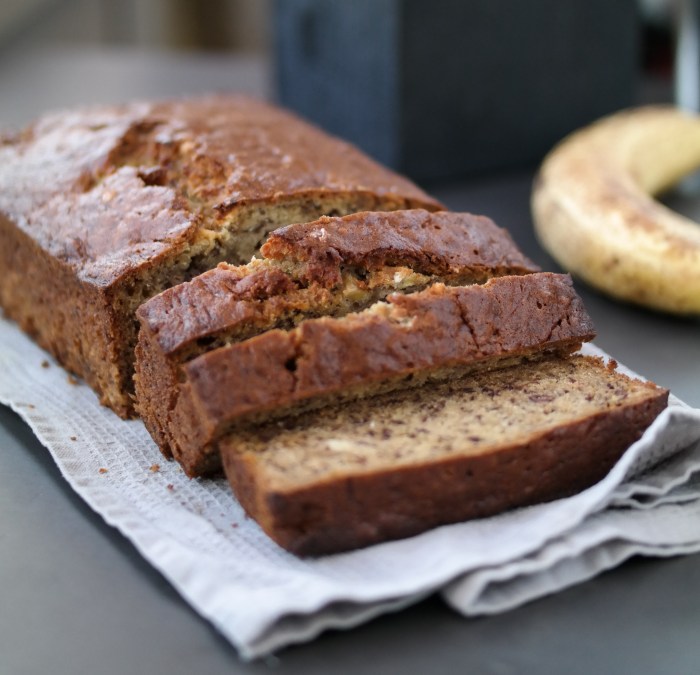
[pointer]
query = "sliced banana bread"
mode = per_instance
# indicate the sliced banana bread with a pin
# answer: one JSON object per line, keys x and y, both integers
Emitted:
{"x": 104, "y": 207}
{"x": 407, "y": 461}
{"x": 341, "y": 308}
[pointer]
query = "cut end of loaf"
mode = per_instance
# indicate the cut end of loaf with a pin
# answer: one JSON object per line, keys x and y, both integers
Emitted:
{"x": 411, "y": 460}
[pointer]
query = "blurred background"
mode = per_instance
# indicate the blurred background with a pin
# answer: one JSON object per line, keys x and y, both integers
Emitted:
{"x": 211, "y": 25}
{"x": 435, "y": 88}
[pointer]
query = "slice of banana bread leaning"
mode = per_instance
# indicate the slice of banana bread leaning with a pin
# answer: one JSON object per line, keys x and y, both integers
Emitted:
{"x": 339, "y": 309}
{"x": 104, "y": 207}
{"x": 407, "y": 461}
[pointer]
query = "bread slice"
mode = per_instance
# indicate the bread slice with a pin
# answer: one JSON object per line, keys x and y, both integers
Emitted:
{"x": 397, "y": 465}
{"x": 104, "y": 207}
{"x": 242, "y": 345}
{"x": 330, "y": 266}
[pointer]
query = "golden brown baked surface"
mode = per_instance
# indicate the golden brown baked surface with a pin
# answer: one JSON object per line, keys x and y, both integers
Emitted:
{"x": 407, "y": 461}
{"x": 435, "y": 333}
{"x": 374, "y": 248}
{"x": 344, "y": 307}
{"x": 104, "y": 207}
{"x": 441, "y": 243}
{"x": 106, "y": 189}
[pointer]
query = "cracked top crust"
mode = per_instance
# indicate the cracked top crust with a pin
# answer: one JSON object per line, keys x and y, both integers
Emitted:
{"x": 440, "y": 327}
{"x": 106, "y": 189}
{"x": 441, "y": 243}
{"x": 449, "y": 246}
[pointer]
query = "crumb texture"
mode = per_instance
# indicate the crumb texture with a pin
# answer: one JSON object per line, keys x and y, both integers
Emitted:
{"x": 437, "y": 333}
{"x": 463, "y": 417}
{"x": 333, "y": 266}
{"x": 394, "y": 466}
{"x": 104, "y": 188}
{"x": 440, "y": 326}
{"x": 340, "y": 306}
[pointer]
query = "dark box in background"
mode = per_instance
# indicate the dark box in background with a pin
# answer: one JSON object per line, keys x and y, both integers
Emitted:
{"x": 443, "y": 88}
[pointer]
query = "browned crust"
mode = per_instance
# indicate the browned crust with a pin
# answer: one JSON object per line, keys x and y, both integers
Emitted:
{"x": 99, "y": 202}
{"x": 99, "y": 187}
{"x": 441, "y": 243}
{"x": 442, "y": 327}
{"x": 69, "y": 318}
{"x": 216, "y": 301}
{"x": 349, "y": 512}
{"x": 446, "y": 245}
{"x": 156, "y": 388}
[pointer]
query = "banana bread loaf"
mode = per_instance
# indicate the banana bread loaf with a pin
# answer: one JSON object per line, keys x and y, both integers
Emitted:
{"x": 104, "y": 207}
{"x": 411, "y": 460}
{"x": 341, "y": 308}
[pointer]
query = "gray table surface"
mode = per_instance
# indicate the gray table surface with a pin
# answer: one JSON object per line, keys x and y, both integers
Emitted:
{"x": 75, "y": 596}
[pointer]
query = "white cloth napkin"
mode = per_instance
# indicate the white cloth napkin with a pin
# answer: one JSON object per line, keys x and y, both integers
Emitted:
{"x": 262, "y": 598}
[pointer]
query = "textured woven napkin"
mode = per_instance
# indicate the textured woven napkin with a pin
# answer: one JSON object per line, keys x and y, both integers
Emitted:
{"x": 262, "y": 598}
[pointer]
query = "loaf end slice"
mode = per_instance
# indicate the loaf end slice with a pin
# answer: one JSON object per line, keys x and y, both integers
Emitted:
{"x": 412, "y": 460}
